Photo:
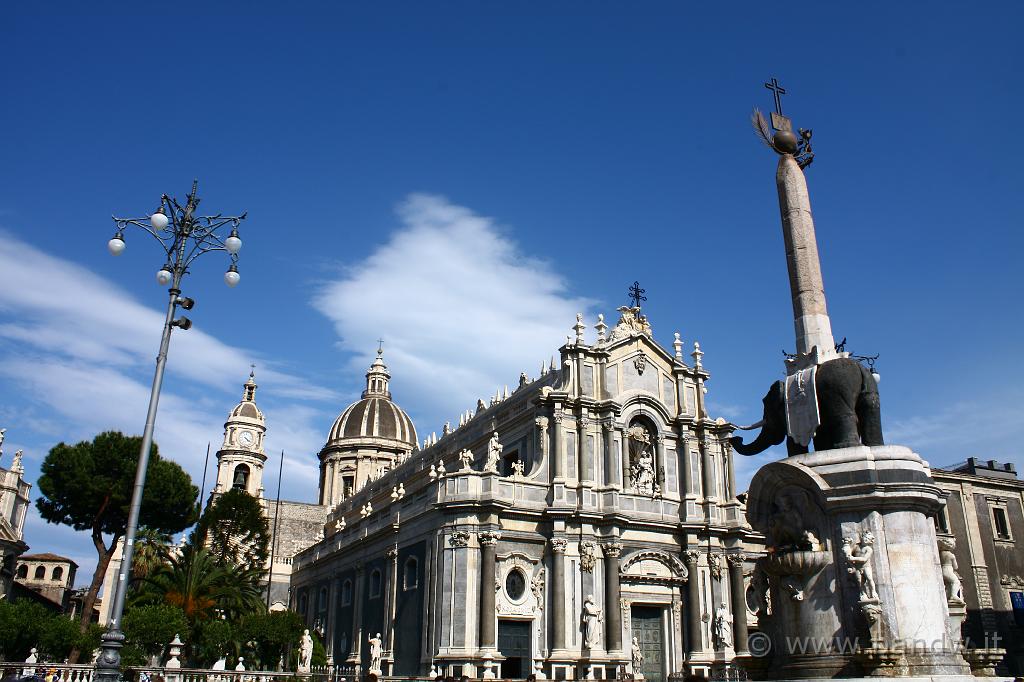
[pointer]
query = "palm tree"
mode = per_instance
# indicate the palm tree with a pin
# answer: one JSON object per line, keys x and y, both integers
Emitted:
{"x": 151, "y": 548}
{"x": 194, "y": 581}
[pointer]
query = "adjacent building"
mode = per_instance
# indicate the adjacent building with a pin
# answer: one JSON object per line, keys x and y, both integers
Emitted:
{"x": 49, "y": 575}
{"x": 984, "y": 516}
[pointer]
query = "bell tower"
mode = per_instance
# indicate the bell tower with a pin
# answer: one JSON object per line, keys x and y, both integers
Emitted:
{"x": 240, "y": 458}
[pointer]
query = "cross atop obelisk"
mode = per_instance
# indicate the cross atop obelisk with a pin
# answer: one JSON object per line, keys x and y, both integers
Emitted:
{"x": 814, "y": 342}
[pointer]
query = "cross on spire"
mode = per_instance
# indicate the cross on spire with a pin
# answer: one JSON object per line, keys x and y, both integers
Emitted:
{"x": 380, "y": 346}
{"x": 252, "y": 369}
{"x": 778, "y": 91}
{"x": 637, "y": 294}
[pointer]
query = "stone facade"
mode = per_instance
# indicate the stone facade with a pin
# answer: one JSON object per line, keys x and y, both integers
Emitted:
{"x": 14, "y": 505}
{"x": 593, "y": 505}
{"x": 50, "y": 575}
{"x": 984, "y": 514}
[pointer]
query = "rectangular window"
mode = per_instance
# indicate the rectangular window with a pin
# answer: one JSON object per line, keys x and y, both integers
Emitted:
{"x": 1000, "y": 524}
{"x": 941, "y": 520}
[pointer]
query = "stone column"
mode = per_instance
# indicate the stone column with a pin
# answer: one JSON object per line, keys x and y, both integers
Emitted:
{"x": 739, "y": 602}
{"x": 488, "y": 546}
{"x": 810, "y": 315}
{"x": 684, "y": 465}
{"x": 612, "y": 473}
{"x": 612, "y": 596}
{"x": 389, "y": 620}
{"x": 355, "y": 655}
{"x": 585, "y": 464}
{"x": 659, "y": 472}
{"x": 558, "y": 462}
{"x": 693, "y": 607}
{"x": 708, "y": 467}
{"x": 558, "y": 546}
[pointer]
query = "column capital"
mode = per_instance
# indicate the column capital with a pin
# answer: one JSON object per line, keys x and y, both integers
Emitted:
{"x": 608, "y": 424}
{"x": 392, "y": 553}
{"x": 542, "y": 422}
{"x": 558, "y": 417}
{"x": 559, "y": 545}
{"x": 612, "y": 549}
{"x": 736, "y": 560}
{"x": 459, "y": 538}
{"x": 488, "y": 538}
{"x": 691, "y": 557}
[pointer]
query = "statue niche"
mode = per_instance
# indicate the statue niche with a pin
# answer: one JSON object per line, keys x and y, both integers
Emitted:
{"x": 643, "y": 477}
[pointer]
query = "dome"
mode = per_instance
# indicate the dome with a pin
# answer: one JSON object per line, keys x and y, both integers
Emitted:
{"x": 374, "y": 416}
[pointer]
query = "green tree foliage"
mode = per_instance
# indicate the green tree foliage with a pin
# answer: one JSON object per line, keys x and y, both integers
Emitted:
{"x": 210, "y": 640}
{"x": 25, "y": 624}
{"x": 194, "y": 581}
{"x": 319, "y": 657}
{"x": 151, "y": 547}
{"x": 88, "y": 486}
{"x": 149, "y": 628}
{"x": 271, "y": 633}
{"x": 236, "y": 531}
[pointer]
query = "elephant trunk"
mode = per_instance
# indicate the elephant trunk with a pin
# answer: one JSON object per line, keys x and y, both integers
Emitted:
{"x": 769, "y": 436}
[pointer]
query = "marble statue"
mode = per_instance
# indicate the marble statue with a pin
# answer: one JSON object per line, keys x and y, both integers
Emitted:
{"x": 858, "y": 556}
{"x": 950, "y": 577}
{"x": 638, "y": 657}
{"x": 723, "y": 627}
{"x": 591, "y": 622}
{"x": 466, "y": 457}
{"x": 305, "y": 652}
{"x": 518, "y": 469}
{"x": 494, "y": 448}
{"x": 642, "y": 473}
{"x": 376, "y": 653}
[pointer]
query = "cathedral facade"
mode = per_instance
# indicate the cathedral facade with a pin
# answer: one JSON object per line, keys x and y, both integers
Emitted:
{"x": 582, "y": 525}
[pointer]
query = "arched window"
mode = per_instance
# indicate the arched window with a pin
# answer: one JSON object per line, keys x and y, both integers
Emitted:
{"x": 321, "y": 603}
{"x": 303, "y": 602}
{"x": 40, "y": 573}
{"x": 57, "y": 574}
{"x": 410, "y": 574}
{"x": 241, "y": 479}
{"x": 346, "y": 593}
{"x": 375, "y": 584}
{"x": 23, "y": 571}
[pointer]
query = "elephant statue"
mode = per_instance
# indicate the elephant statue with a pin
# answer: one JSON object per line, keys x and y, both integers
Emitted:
{"x": 848, "y": 409}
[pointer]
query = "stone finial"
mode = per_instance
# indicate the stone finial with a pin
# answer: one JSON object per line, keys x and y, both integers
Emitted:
{"x": 543, "y": 368}
{"x": 697, "y": 354}
{"x": 446, "y": 429}
{"x": 462, "y": 420}
{"x": 678, "y": 345}
{"x": 568, "y": 339}
{"x": 241, "y": 664}
{"x": 394, "y": 493}
{"x": 504, "y": 396}
{"x": 480, "y": 406}
{"x": 579, "y": 328}
{"x": 433, "y": 472}
{"x": 553, "y": 366}
{"x": 401, "y": 490}
{"x": 601, "y": 328}
{"x": 441, "y": 471}
{"x": 339, "y": 525}
{"x": 523, "y": 379}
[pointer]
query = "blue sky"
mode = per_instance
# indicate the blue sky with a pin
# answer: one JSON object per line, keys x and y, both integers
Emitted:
{"x": 461, "y": 178}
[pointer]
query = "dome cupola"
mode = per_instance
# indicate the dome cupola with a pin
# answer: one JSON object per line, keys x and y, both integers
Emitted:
{"x": 370, "y": 437}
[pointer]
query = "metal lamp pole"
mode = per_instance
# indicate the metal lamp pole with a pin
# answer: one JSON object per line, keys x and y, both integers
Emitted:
{"x": 184, "y": 237}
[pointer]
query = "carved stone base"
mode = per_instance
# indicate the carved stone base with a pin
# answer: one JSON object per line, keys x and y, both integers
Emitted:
{"x": 983, "y": 662}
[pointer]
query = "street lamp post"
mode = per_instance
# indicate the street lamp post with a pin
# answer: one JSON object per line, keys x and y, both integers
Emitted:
{"x": 184, "y": 236}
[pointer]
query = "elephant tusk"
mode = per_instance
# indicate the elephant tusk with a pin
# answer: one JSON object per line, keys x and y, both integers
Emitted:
{"x": 753, "y": 426}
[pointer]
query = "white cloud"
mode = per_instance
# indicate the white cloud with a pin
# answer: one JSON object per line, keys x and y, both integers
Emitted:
{"x": 460, "y": 306}
{"x": 69, "y": 371}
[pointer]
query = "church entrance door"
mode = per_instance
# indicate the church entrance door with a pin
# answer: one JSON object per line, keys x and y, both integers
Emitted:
{"x": 514, "y": 645}
{"x": 646, "y": 622}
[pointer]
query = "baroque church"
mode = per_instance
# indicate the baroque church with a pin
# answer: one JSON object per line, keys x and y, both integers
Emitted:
{"x": 585, "y": 524}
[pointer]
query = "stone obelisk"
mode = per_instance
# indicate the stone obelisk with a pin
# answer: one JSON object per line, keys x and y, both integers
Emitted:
{"x": 810, "y": 314}
{"x": 814, "y": 342}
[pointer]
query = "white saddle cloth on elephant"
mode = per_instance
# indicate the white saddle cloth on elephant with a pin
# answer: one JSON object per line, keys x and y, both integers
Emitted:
{"x": 802, "y": 417}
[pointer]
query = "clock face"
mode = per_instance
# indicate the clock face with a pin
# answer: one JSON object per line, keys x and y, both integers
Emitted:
{"x": 245, "y": 438}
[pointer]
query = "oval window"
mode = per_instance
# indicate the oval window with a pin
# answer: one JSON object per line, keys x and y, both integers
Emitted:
{"x": 515, "y": 585}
